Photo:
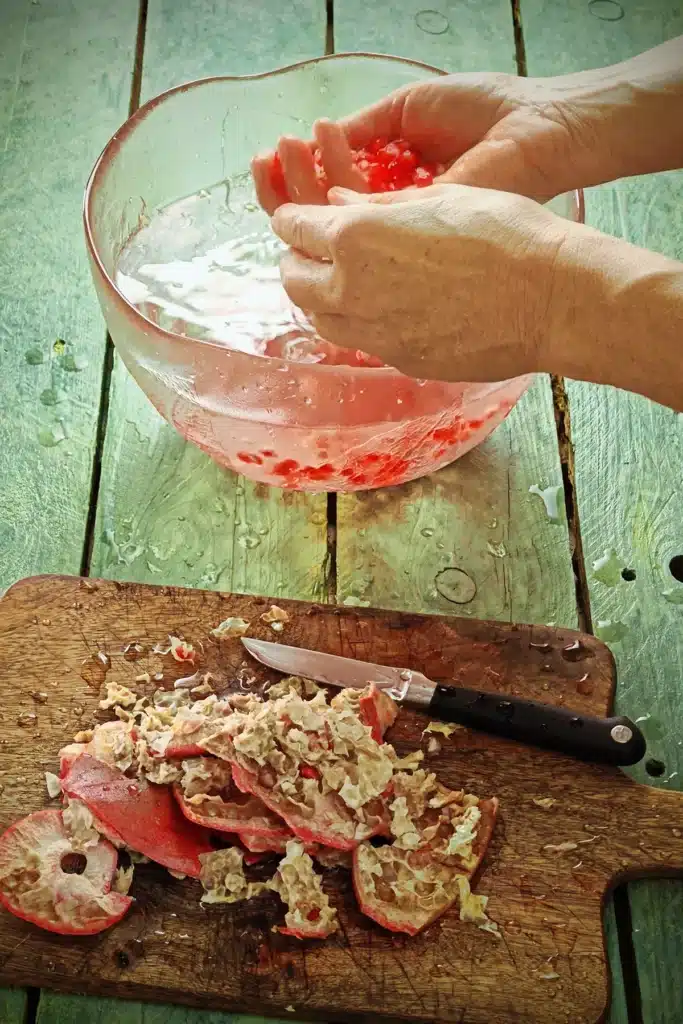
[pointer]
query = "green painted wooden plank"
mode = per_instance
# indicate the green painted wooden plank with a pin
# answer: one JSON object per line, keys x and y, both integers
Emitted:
{"x": 64, "y": 80}
{"x": 57, "y": 1009}
{"x": 409, "y": 546}
{"x": 12, "y": 1006}
{"x": 457, "y": 35}
{"x": 628, "y": 459}
{"x": 166, "y": 513}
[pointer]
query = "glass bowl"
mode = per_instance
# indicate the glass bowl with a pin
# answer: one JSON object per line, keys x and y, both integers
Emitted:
{"x": 178, "y": 168}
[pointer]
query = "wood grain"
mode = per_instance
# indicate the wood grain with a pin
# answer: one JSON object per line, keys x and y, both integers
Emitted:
{"x": 457, "y": 35}
{"x": 64, "y": 78}
{"x": 166, "y": 513}
{"x": 628, "y": 478}
{"x": 548, "y": 903}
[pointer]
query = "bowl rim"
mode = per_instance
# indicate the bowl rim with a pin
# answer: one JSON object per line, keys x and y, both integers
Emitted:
{"x": 119, "y": 138}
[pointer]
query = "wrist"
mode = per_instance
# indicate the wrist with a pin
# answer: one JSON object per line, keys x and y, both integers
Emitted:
{"x": 621, "y": 120}
{"x": 616, "y": 316}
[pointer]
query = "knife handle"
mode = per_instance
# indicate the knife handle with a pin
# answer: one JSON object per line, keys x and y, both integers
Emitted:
{"x": 614, "y": 741}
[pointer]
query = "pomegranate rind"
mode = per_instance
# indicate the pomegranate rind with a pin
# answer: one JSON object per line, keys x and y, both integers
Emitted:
{"x": 329, "y": 824}
{"x": 313, "y": 764}
{"x": 378, "y": 710}
{"x": 437, "y": 876}
{"x": 248, "y": 820}
{"x": 34, "y": 887}
{"x": 144, "y": 815}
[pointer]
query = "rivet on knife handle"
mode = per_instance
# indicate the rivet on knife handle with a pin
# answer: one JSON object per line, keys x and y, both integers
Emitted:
{"x": 615, "y": 741}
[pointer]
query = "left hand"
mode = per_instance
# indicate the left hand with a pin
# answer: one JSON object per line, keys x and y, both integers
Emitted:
{"x": 452, "y": 282}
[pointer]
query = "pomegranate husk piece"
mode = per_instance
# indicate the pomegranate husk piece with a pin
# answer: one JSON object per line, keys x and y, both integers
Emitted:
{"x": 377, "y": 710}
{"x": 412, "y": 919}
{"x": 145, "y": 815}
{"x": 34, "y": 887}
{"x": 328, "y": 825}
{"x": 249, "y": 819}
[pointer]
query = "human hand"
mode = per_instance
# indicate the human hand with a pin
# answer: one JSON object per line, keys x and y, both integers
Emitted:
{"x": 451, "y": 282}
{"x": 490, "y": 130}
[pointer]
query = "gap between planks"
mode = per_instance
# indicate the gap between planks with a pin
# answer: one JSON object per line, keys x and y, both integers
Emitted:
{"x": 108, "y": 362}
{"x": 621, "y": 903}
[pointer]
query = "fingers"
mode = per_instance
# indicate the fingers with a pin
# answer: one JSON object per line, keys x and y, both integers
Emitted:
{"x": 337, "y": 156}
{"x": 298, "y": 168}
{"x": 309, "y": 229}
{"x": 307, "y": 282}
{"x": 269, "y": 195}
{"x": 378, "y": 120}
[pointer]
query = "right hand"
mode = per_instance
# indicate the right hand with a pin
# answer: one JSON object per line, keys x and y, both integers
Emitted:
{"x": 494, "y": 131}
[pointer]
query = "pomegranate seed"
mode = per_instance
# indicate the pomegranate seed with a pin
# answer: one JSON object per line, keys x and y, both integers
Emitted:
{"x": 286, "y": 467}
{"x": 318, "y": 472}
{"x": 313, "y": 915}
{"x": 268, "y": 453}
{"x": 251, "y": 460}
{"x": 307, "y": 771}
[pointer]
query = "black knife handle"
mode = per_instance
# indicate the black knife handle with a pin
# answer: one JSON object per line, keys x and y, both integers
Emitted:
{"x": 615, "y": 741}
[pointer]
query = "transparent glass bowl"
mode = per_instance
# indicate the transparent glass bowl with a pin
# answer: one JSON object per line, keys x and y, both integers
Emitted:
{"x": 309, "y": 426}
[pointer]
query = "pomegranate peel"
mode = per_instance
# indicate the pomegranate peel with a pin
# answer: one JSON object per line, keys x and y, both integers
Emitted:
{"x": 35, "y": 887}
{"x": 405, "y": 887}
{"x": 144, "y": 815}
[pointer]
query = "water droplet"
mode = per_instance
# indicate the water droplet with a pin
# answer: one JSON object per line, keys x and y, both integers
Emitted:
{"x": 584, "y": 686}
{"x": 133, "y": 789}
{"x": 131, "y": 652}
{"x": 27, "y": 719}
{"x": 427, "y": 532}
{"x": 94, "y": 669}
{"x": 574, "y": 651}
{"x": 497, "y": 550}
{"x": 550, "y": 497}
{"x": 608, "y": 569}
{"x": 74, "y": 363}
{"x": 34, "y": 356}
{"x": 434, "y": 23}
{"x": 50, "y": 437}
{"x": 492, "y": 524}
{"x": 455, "y": 585}
{"x": 251, "y": 207}
{"x": 52, "y": 396}
{"x": 248, "y": 541}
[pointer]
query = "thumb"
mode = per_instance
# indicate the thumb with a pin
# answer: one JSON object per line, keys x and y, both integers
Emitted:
{"x": 498, "y": 164}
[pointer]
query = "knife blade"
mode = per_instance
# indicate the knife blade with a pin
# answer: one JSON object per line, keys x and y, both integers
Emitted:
{"x": 613, "y": 741}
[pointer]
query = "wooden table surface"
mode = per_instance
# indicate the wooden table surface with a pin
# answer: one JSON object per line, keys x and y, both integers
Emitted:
{"x": 93, "y": 481}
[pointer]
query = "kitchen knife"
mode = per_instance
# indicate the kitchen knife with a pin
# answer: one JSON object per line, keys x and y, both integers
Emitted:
{"x": 615, "y": 741}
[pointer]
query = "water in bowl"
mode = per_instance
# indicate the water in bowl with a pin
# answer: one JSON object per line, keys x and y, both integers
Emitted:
{"x": 206, "y": 267}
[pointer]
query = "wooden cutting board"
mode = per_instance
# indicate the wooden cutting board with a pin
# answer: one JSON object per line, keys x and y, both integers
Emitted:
{"x": 548, "y": 967}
